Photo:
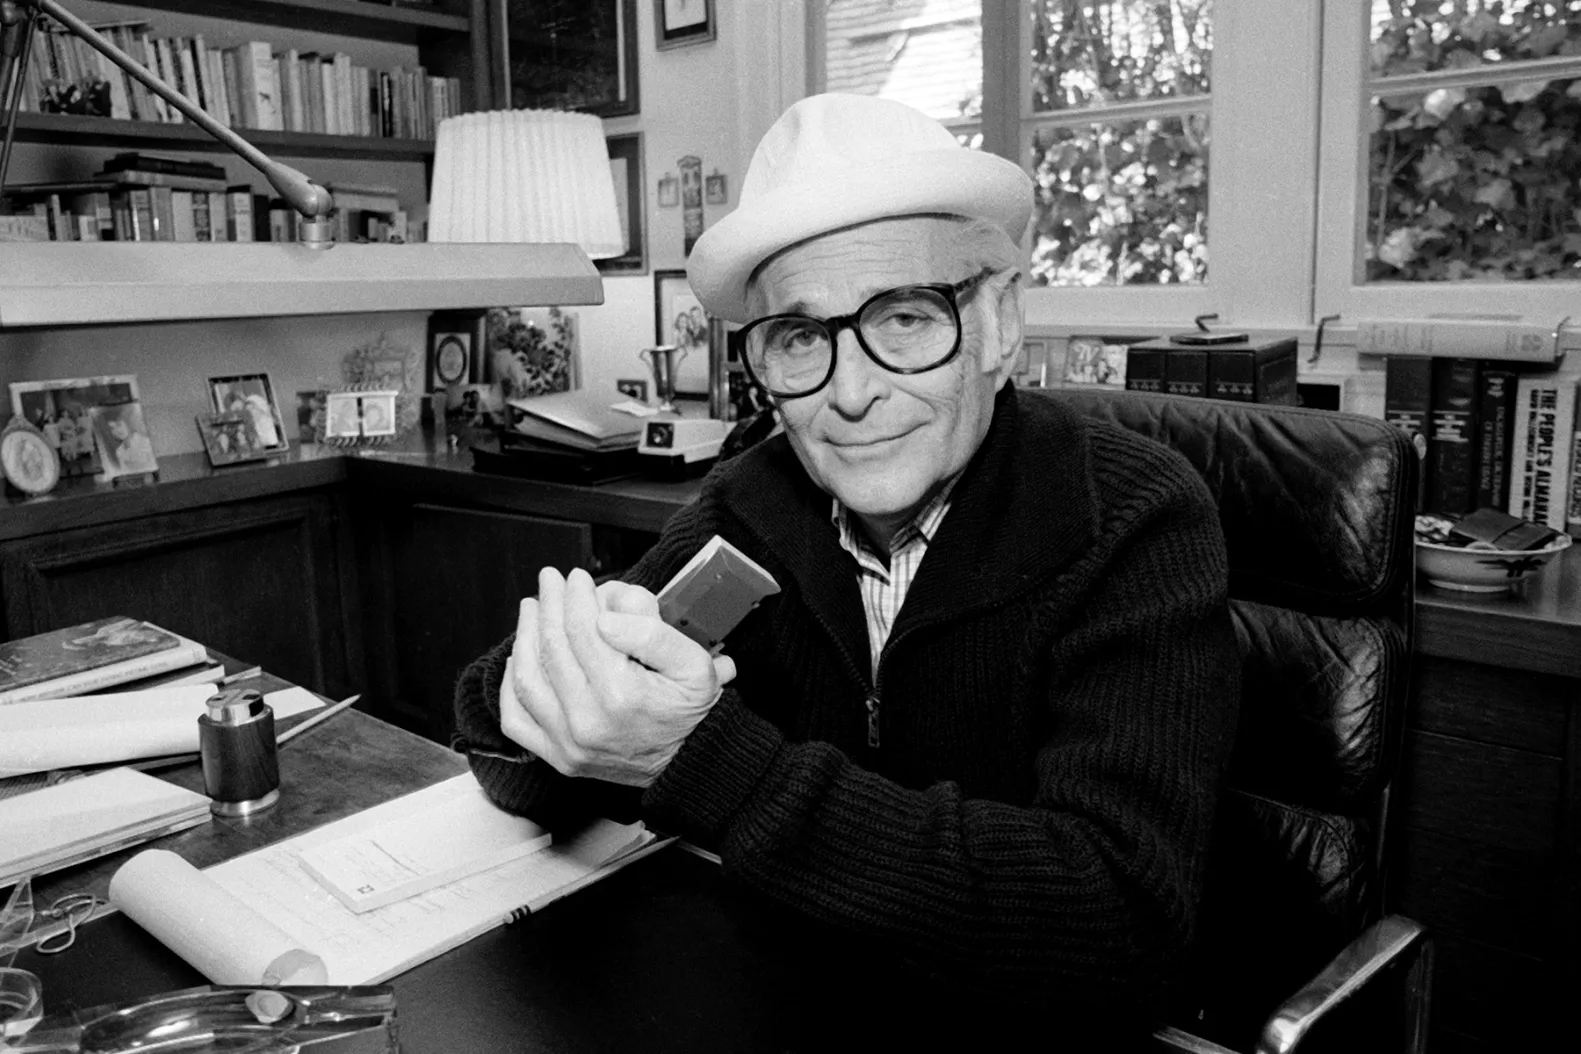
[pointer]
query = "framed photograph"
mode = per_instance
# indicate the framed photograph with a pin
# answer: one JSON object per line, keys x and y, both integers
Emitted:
{"x": 1097, "y": 360}
{"x": 678, "y": 23}
{"x": 669, "y": 193}
{"x": 378, "y": 413}
{"x": 532, "y": 350}
{"x": 633, "y": 388}
{"x": 60, "y": 409}
{"x": 455, "y": 344}
{"x": 679, "y": 319}
{"x": 122, "y": 435}
{"x": 625, "y": 166}
{"x": 31, "y": 465}
{"x": 343, "y": 416}
{"x": 230, "y": 437}
{"x": 311, "y": 414}
{"x": 253, "y": 394}
{"x": 716, "y": 190}
{"x": 566, "y": 55}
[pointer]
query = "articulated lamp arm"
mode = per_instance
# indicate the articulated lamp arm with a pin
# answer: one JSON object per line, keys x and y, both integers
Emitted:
{"x": 309, "y": 199}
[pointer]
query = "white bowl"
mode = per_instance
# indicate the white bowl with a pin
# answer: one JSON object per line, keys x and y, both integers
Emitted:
{"x": 1481, "y": 568}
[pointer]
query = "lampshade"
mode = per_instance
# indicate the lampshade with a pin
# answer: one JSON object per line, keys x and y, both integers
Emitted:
{"x": 524, "y": 176}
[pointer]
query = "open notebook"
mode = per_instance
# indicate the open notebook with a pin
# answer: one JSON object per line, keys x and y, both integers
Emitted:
{"x": 284, "y": 922}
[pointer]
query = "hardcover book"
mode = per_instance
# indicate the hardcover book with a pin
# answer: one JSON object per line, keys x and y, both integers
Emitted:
{"x": 1495, "y": 422}
{"x": 1451, "y": 450}
{"x": 1407, "y": 399}
{"x": 1545, "y": 414}
{"x": 1573, "y": 510}
{"x": 77, "y": 648}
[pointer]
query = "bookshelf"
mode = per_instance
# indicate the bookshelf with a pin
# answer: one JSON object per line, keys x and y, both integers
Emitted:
{"x": 444, "y": 41}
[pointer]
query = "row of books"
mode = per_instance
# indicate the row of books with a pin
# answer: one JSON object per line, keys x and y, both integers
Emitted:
{"x": 1241, "y": 370}
{"x": 246, "y": 86}
{"x": 115, "y": 652}
{"x": 1491, "y": 437}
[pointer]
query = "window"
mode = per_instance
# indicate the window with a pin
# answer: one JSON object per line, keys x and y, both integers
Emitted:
{"x": 1451, "y": 153}
{"x": 925, "y": 53}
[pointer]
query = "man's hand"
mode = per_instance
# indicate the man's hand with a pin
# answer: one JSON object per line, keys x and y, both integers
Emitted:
{"x": 597, "y": 685}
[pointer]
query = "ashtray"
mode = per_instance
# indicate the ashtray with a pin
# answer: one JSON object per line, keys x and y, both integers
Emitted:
{"x": 1476, "y": 567}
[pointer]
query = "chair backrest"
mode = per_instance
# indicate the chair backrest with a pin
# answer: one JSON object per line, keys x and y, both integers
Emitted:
{"x": 1317, "y": 509}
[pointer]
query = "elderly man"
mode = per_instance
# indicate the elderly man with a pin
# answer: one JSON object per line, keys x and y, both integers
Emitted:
{"x": 981, "y": 729}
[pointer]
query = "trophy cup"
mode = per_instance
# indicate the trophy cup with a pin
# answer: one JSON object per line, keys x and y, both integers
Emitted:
{"x": 663, "y": 362}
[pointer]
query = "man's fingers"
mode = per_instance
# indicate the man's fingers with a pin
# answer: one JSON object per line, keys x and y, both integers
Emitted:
{"x": 559, "y": 665}
{"x": 627, "y": 598}
{"x": 652, "y": 643}
{"x": 517, "y": 724}
{"x": 597, "y": 661}
{"x": 524, "y": 673}
{"x": 724, "y": 669}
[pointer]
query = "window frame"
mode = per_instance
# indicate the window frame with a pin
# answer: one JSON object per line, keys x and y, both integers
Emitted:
{"x": 1342, "y": 191}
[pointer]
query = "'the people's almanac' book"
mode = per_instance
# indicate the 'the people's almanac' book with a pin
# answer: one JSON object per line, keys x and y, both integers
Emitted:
{"x": 97, "y": 654}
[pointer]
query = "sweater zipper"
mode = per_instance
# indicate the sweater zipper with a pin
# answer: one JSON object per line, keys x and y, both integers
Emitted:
{"x": 872, "y": 704}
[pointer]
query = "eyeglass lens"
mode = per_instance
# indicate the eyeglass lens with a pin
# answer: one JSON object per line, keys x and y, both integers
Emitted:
{"x": 908, "y": 329}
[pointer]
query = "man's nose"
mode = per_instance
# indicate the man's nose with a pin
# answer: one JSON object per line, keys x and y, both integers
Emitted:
{"x": 857, "y": 379}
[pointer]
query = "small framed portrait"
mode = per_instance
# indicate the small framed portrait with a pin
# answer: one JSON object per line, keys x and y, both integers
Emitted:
{"x": 310, "y": 416}
{"x": 378, "y": 413}
{"x": 633, "y": 388}
{"x": 455, "y": 342}
{"x": 31, "y": 465}
{"x": 230, "y": 437}
{"x": 669, "y": 191}
{"x": 716, "y": 189}
{"x": 59, "y": 409}
{"x": 1097, "y": 360}
{"x": 343, "y": 416}
{"x": 679, "y": 23}
{"x": 253, "y": 394}
{"x": 625, "y": 169}
{"x": 679, "y": 319}
{"x": 124, "y": 446}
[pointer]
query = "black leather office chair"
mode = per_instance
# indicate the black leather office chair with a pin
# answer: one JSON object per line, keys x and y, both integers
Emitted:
{"x": 1317, "y": 509}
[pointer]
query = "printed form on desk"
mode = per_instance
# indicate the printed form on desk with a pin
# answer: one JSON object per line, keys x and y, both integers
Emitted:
{"x": 369, "y": 946}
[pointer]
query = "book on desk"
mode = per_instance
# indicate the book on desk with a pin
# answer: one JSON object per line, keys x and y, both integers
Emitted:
{"x": 103, "y": 653}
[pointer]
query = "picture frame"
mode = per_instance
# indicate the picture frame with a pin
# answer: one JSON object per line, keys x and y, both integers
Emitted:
{"x": 532, "y": 350}
{"x": 311, "y": 415}
{"x": 455, "y": 349}
{"x": 342, "y": 416}
{"x": 565, "y": 55}
{"x": 60, "y": 409}
{"x": 230, "y": 437}
{"x": 125, "y": 448}
{"x": 626, "y": 169}
{"x": 682, "y": 23}
{"x": 669, "y": 191}
{"x": 30, "y": 464}
{"x": 679, "y": 319}
{"x": 1097, "y": 360}
{"x": 253, "y": 393}
{"x": 716, "y": 188}
{"x": 378, "y": 413}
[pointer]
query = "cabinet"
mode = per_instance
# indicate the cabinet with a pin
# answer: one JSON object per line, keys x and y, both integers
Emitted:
{"x": 261, "y": 579}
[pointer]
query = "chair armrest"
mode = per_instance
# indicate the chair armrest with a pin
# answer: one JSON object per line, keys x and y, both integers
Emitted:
{"x": 1380, "y": 944}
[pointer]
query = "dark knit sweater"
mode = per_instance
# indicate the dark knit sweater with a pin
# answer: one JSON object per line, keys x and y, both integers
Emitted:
{"x": 1056, "y": 704}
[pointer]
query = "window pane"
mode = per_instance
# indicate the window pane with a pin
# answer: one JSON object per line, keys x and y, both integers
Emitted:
{"x": 1123, "y": 203}
{"x": 927, "y": 53}
{"x": 1414, "y": 36}
{"x": 1476, "y": 183}
{"x": 1090, "y": 52}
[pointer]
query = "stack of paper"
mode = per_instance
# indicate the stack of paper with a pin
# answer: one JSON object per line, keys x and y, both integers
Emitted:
{"x": 80, "y": 819}
{"x": 580, "y": 420}
{"x": 274, "y": 889}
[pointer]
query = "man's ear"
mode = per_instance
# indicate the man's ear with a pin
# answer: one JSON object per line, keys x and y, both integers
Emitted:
{"x": 1005, "y": 321}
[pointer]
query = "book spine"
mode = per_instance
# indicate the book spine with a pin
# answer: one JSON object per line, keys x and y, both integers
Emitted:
{"x": 217, "y": 222}
{"x": 163, "y": 202}
{"x": 1407, "y": 400}
{"x": 1186, "y": 371}
{"x": 142, "y": 206}
{"x": 1495, "y": 419}
{"x": 183, "y": 224}
{"x": 201, "y": 232}
{"x": 188, "y": 654}
{"x": 1452, "y": 480}
{"x": 1544, "y": 421}
{"x": 241, "y": 116}
{"x": 222, "y": 97}
{"x": 1144, "y": 369}
{"x": 239, "y": 214}
{"x": 1483, "y": 338}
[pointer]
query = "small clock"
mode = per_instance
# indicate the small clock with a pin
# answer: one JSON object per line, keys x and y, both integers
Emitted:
{"x": 450, "y": 358}
{"x": 31, "y": 465}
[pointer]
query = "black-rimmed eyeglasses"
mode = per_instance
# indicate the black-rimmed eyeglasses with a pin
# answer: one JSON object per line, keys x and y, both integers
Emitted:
{"x": 910, "y": 329}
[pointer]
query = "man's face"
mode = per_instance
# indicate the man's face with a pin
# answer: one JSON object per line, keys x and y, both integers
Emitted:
{"x": 884, "y": 443}
{"x": 119, "y": 429}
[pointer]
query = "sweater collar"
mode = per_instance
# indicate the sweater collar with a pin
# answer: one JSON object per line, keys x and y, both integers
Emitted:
{"x": 1023, "y": 508}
